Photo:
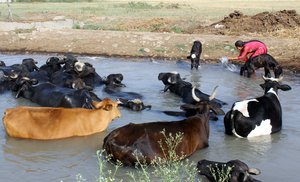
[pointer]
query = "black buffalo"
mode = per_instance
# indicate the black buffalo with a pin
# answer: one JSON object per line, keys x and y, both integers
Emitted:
{"x": 134, "y": 104}
{"x": 50, "y": 95}
{"x": 238, "y": 171}
{"x": 183, "y": 89}
{"x": 265, "y": 61}
{"x": 195, "y": 54}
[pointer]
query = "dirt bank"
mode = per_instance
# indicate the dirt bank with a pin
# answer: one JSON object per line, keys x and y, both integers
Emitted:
{"x": 166, "y": 45}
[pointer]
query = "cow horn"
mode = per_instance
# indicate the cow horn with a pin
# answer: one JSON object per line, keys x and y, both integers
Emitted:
{"x": 254, "y": 171}
{"x": 194, "y": 95}
{"x": 280, "y": 79}
{"x": 25, "y": 78}
{"x": 213, "y": 94}
{"x": 19, "y": 92}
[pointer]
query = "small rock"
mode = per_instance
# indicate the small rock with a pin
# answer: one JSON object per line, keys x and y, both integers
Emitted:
{"x": 147, "y": 50}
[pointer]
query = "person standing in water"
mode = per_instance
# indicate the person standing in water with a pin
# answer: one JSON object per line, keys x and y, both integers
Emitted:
{"x": 249, "y": 50}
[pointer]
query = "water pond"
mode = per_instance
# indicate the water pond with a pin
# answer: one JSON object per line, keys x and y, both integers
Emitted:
{"x": 60, "y": 160}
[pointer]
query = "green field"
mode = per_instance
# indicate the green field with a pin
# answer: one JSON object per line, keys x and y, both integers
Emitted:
{"x": 208, "y": 9}
{"x": 171, "y": 15}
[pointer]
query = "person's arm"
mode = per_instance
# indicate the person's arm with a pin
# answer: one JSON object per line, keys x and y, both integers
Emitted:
{"x": 242, "y": 55}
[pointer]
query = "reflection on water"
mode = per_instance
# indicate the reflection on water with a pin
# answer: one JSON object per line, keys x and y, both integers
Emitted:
{"x": 32, "y": 160}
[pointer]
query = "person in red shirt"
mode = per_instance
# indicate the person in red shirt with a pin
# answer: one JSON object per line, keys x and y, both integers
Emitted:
{"x": 249, "y": 50}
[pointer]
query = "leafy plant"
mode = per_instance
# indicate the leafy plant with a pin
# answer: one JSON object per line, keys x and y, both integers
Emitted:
{"x": 105, "y": 174}
{"x": 221, "y": 175}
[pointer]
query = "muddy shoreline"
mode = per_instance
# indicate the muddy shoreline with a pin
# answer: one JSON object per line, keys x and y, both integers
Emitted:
{"x": 167, "y": 46}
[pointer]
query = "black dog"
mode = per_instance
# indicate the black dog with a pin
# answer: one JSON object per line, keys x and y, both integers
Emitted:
{"x": 195, "y": 54}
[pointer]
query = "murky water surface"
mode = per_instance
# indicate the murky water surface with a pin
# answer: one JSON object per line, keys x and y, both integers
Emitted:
{"x": 277, "y": 156}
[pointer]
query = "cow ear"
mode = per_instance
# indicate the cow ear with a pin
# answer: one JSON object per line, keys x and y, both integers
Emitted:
{"x": 188, "y": 107}
{"x": 285, "y": 87}
{"x": 263, "y": 86}
{"x": 217, "y": 110}
{"x": 97, "y": 104}
{"x": 108, "y": 107}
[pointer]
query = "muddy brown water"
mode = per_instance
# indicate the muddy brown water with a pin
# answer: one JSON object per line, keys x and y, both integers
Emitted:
{"x": 277, "y": 156}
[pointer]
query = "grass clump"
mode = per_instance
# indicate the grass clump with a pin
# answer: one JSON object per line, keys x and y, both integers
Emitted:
{"x": 221, "y": 175}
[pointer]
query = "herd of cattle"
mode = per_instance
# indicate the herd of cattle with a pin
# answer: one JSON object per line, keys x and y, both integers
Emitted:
{"x": 63, "y": 87}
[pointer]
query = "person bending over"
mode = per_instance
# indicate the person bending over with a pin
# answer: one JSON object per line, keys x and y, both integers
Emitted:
{"x": 249, "y": 50}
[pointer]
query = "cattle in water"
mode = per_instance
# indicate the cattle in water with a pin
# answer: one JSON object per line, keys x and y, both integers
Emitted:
{"x": 143, "y": 139}
{"x": 45, "y": 123}
{"x": 7, "y": 80}
{"x": 265, "y": 61}
{"x": 195, "y": 54}
{"x": 183, "y": 89}
{"x": 28, "y": 65}
{"x": 53, "y": 64}
{"x": 88, "y": 74}
{"x": 50, "y": 95}
{"x": 257, "y": 116}
{"x": 113, "y": 86}
{"x": 134, "y": 104}
{"x": 238, "y": 171}
{"x": 193, "y": 109}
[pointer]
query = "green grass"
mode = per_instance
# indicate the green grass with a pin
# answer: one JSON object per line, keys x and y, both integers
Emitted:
{"x": 145, "y": 9}
{"x": 176, "y": 16}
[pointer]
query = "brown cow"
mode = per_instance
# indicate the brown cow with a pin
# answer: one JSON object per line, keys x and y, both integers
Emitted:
{"x": 53, "y": 123}
{"x": 125, "y": 141}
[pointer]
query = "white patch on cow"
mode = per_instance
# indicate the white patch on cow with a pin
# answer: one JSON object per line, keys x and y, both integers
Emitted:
{"x": 174, "y": 72}
{"x": 193, "y": 56}
{"x": 242, "y": 106}
{"x": 273, "y": 92}
{"x": 79, "y": 66}
{"x": 265, "y": 128}
{"x": 136, "y": 101}
{"x": 272, "y": 79}
{"x": 235, "y": 133}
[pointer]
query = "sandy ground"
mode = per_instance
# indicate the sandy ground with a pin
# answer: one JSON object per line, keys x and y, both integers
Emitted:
{"x": 170, "y": 46}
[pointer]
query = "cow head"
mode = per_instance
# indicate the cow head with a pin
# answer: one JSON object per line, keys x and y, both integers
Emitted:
{"x": 23, "y": 84}
{"x": 69, "y": 60}
{"x": 272, "y": 84}
{"x": 134, "y": 104}
{"x": 77, "y": 84}
{"x": 169, "y": 79}
{"x": 30, "y": 64}
{"x": 114, "y": 80}
{"x": 108, "y": 105}
{"x": 84, "y": 69}
{"x": 200, "y": 106}
{"x": 2, "y": 63}
{"x": 238, "y": 170}
{"x": 54, "y": 63}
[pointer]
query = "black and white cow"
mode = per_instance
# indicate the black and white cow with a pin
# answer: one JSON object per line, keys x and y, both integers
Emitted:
{"x": 257, "y": 116}
{"x": 183, "y": 89}
{"x": 195, "y": 54}
{"x": 238, "y": 170}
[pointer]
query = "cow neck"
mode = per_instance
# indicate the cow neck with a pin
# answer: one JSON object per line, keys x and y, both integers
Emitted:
{"x": 272, "y": 92}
